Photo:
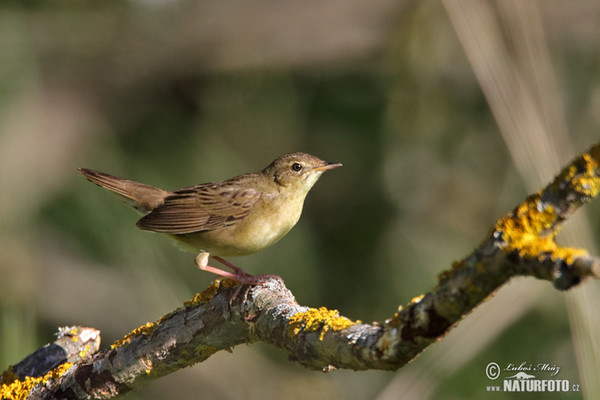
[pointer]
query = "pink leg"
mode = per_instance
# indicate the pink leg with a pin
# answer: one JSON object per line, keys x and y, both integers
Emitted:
{"x": 235, "y": 268}
{"x": 238, "y": 274}
{"x": 244, "y": 277}
{"x": 220, "y": 272}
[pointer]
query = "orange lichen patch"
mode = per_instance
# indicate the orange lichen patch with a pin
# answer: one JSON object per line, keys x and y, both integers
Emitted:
{"x": 528, "y": 221}
{"x": 314, "y": 320}
{"x": 581, "y": 176}
{"x": 528, "y": 228}
{"x": 529, "y": 231}
{"x": 21, "y": 389}
{"x": 396, "y": 314}
{"x": 568, "y": 254}
{"x": 587, "y": 183}
{"x": 417, "y": 299}
{"x": 142, "y": 330}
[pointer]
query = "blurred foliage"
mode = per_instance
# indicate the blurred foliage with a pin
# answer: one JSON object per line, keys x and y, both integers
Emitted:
{"x": 174, "y": 93}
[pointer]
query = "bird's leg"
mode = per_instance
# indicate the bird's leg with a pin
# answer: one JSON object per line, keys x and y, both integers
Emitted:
{"x": 202, "y": 263}
{"x": 238, "y": 274}
{"x": 237, "y": 270}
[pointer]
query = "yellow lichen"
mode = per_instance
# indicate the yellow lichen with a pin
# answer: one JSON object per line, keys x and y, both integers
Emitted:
{"x": 581, "y": 176}
{"x": 587, "y": 184}
{"x": 531, "y": 228}
{"x": 397, "y": 313}
{"x": 74, "y": 333}
{"x": 146, "y": 330}
{"x": 20, "y": 389}
{"x": 417, "y": 299}
{"x": 528, "y": 229}
{"x": 209, "y": 292}
{"x": 314, "y": 320}
{"x": 529, "y": 220}
{"x": 568, "y": 254}
{"x": 83, "y": 353}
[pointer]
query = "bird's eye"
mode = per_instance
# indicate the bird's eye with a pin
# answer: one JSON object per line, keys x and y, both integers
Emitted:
{"x": 297, "y": 167}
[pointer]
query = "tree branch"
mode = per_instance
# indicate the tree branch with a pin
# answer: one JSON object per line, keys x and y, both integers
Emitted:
{"x": 521, "y": 244}
{"x": 73, "y": 344}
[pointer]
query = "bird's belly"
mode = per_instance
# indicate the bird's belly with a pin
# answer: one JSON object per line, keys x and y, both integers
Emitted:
{"x": 245, "y": 237}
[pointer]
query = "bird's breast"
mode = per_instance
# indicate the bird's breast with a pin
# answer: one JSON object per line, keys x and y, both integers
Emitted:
{"x": 273, "y": 220}
{"x": 268, "y": 222}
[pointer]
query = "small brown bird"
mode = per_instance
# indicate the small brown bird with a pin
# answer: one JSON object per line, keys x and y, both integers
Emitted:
{"x": 236, "y": 217}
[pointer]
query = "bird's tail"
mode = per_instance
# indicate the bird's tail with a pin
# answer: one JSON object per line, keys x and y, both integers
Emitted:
{"x": 143, "y": 198}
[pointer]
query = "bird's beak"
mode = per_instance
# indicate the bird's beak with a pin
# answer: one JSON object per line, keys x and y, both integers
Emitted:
{"x": 328, "y": 165}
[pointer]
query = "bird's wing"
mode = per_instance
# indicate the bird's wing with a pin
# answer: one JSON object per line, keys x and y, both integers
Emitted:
{"x": 199, "y": 208}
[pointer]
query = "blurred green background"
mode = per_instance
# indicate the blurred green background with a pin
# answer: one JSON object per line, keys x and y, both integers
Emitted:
{"x": 445, "y": 115}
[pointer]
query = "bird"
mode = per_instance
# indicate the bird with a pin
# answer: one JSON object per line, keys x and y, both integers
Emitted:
{"x": 235, "y": 217}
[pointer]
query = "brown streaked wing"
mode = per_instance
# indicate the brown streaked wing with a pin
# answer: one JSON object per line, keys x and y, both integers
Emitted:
{"x": 201, "y": 208}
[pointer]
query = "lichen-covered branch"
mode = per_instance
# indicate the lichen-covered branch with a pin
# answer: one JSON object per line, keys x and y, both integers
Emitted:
{"x": 520, "y": 244}
{"x": 73, "y": 344}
